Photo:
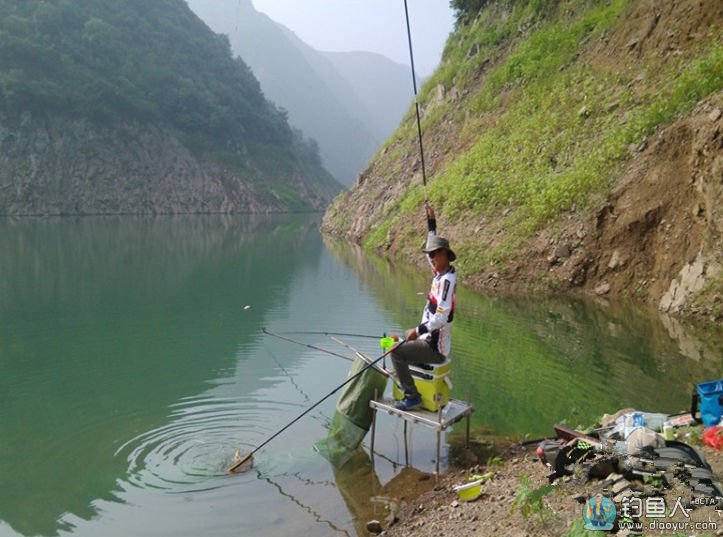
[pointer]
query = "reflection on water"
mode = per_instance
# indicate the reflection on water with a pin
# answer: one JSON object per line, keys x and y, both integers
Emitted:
{"x": 106, "y": 325}
{"x": 527, "y": 363}
{"x": 366, "y": 497}
{"x": 132, "y": 367}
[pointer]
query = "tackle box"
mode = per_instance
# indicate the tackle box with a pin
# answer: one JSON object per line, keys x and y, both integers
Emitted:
{"x": 433, "y": 383}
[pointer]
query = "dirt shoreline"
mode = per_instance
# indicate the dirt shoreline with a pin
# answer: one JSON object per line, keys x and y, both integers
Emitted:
{"x": 517, "y": 474}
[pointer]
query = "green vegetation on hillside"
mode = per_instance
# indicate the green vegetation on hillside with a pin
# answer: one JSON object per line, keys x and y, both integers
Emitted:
{"x": 540, "y": 131}
{"x": 147, "y": 62}
{"x": 466, "y": 10}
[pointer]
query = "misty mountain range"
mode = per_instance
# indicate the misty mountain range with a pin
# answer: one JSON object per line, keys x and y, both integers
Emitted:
{"x": 349, "y": 102}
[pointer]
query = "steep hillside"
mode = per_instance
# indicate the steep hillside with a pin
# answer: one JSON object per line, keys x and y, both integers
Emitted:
{"x": 137, "y": 107}
{"x": 322, "y": 99}
{"x": 571, "y": 144}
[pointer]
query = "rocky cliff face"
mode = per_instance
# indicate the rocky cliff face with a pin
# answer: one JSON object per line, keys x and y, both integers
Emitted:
{"x": 61, "y": 167}
{"x": 657, "y": 236}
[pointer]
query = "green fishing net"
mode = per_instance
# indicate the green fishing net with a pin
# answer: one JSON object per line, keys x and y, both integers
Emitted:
{"x": 353, "y": 415}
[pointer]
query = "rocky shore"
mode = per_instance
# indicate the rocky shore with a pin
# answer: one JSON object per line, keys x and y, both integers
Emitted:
{"x": 519, "y": 500}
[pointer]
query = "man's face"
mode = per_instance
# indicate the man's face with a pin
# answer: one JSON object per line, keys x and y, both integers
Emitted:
{"x": 439, "y": 259}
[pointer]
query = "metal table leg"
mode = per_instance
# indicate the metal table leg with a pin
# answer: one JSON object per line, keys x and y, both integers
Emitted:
{"x": 439, "y": 449}
{"x": 406, "y": 445}
{"x": 439, "y": 435}
{"x": 438, "y": 421}
{"x": 374, "y": 429}
{"x": 466, "y": 442}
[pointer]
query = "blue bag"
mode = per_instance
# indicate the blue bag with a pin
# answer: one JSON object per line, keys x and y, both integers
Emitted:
{"x": 709, "y": 397}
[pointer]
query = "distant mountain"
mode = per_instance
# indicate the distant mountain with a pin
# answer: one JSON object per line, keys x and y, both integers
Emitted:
{"x": 130, "y": 106}
{"x": 333, "y": 97}
{"x": 384, "y": 86}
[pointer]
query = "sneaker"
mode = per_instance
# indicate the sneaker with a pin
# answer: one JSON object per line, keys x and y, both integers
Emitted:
{"x": 412, "y": 402}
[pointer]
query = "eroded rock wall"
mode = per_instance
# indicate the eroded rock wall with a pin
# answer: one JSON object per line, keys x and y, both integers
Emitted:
{"x": 57, "y": 167}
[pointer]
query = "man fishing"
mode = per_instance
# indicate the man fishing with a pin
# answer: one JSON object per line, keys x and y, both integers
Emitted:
{"x": 429, "y": 342}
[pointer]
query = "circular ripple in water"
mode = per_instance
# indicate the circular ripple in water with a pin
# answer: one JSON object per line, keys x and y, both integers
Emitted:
{"x": 198, "y": 444}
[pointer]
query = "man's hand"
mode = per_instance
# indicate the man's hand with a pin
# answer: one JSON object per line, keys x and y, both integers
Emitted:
{"x": 428, "y": 210}
{"x": 412, "y": 334}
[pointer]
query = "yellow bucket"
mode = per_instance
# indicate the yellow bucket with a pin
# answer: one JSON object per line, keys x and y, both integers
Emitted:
{"x": 473, "y": 489}
{"x": 433, "y": 385}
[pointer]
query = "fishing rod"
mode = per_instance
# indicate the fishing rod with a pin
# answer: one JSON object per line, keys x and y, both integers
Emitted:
{"x": 382, "y": 370}
{"x": 248, "y": 457}
{"x": 307, "y": 345}
{"x": 340, "y": 334}
{"x": 416, "y": 99}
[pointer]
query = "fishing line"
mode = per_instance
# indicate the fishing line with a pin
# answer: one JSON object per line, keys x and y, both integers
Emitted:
{"x": 317, "y": 333}
{"x": 322, "y": 418}
{"x": 317, "y": 517}
{"x": 289, "y": 375}
{"x": 416, "y": 99}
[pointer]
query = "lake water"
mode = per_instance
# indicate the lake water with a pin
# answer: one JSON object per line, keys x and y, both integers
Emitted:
{"x": 133, "y": 366}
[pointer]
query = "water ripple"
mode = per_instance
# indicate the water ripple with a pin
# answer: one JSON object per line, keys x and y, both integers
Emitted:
{"x": 193, "y": 451}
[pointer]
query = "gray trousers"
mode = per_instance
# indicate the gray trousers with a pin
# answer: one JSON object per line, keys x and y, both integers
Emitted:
{"x": 413, "y": 352}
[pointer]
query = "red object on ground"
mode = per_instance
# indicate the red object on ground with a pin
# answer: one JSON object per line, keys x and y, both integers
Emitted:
{"x": 713, "y": 437}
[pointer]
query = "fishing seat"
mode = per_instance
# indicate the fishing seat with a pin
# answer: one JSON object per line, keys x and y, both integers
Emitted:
{"x": 433, "y": 383}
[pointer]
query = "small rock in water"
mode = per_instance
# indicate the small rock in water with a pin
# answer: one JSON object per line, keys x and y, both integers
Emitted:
{"x": 374, "y": 526}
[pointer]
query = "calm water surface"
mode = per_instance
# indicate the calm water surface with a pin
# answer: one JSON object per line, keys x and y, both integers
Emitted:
{"x": 132, "y": 366}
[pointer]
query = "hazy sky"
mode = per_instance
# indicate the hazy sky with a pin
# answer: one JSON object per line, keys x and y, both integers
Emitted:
{"x": 371, "y": 25}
